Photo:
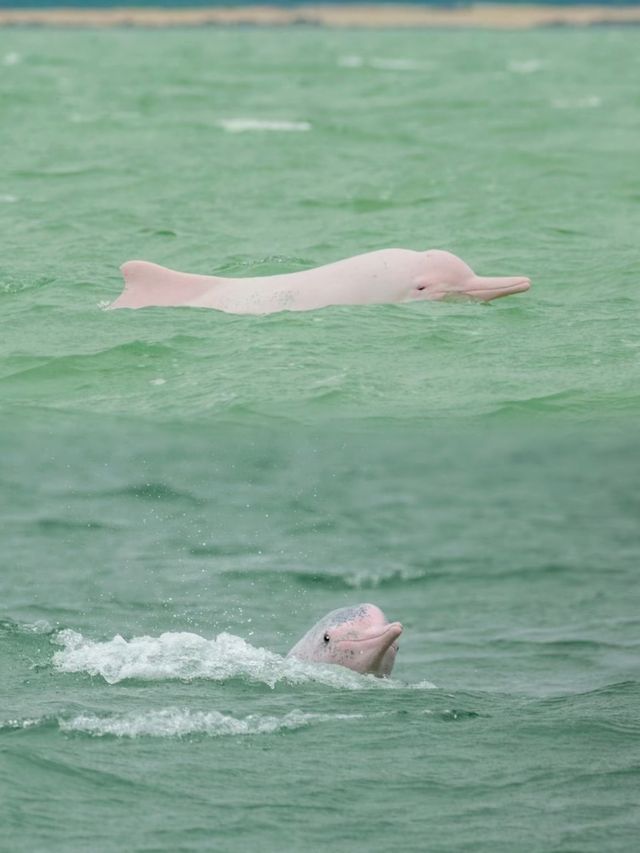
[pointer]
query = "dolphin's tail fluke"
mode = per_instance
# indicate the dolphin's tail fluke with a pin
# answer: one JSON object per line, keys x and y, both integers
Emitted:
{"x": 148, "y": 284}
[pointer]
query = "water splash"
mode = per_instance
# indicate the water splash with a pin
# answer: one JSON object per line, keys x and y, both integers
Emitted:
{"x": 186, "y": 656}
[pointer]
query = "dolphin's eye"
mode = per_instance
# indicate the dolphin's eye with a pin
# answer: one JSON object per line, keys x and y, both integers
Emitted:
{"x": 326, "y": 638}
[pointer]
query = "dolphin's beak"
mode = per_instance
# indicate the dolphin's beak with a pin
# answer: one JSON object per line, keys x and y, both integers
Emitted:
{"x": 389, "y": 649}
{"x": 485, "y": 288}
{"x": 389, "y": 635}
{"x": 376, "y": 649}
{"x": 380, "y": 636}
{"x": 393, "y": 631}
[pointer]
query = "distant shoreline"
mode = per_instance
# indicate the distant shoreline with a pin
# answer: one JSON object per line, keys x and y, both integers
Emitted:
{"x": 490, "y": 16}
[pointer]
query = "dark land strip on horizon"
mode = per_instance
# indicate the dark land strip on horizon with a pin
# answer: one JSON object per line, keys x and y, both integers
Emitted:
{"x": 494, "y": 16}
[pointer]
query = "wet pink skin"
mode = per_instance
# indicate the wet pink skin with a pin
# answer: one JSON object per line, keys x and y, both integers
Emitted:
{"x": 358, "y": 637}
{"x": 384, "y": 276}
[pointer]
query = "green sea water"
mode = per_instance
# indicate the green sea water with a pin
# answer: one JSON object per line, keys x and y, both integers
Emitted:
{"x": 183, "y": 492}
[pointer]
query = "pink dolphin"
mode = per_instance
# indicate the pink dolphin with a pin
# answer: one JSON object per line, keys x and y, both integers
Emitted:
{"x": 357, "y": 637}
{"x": 388, "y": 275}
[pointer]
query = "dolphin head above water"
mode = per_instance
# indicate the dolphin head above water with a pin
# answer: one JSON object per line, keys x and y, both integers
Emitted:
{"x": 445, "y": 275}
{"x": 358, "y": 637}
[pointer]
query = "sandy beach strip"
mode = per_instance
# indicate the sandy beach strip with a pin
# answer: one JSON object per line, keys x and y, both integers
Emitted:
{"x": 492, "y": 16}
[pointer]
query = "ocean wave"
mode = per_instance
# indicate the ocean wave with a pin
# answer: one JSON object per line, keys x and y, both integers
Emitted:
{"x": 327, "y": 578}
{"x": 13, "y": 725}
{"x": 572, "y": 402}
{"x": 10, "y": 626}
{"x": 186, "y": 657}
{"x": 54, "y": 524}
{"x": 173, "y": 722}
{"x": 180, "y": 722}
{"x": 153, "y": 491}
{"x": 607, "y": 708}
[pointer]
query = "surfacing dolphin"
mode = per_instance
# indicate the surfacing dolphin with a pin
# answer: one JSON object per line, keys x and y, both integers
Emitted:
{"x": 358, "y": 637}
{"x": 388, "y": 275}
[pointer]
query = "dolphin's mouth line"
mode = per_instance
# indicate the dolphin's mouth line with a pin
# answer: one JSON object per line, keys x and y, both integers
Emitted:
{"x": 470, "y": 293}
{"x": 517, "y": 287}
{"x": 369, "y": 639}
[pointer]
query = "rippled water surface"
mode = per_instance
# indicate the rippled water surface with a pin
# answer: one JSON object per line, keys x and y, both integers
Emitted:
{"x": 185, "y": 492}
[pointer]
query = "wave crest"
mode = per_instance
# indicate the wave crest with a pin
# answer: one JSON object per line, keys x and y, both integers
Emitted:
{"x": 181, "y": 722}
{"x": 174, "y": 722}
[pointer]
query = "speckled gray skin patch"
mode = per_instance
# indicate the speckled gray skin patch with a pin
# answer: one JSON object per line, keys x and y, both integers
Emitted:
{"x": 345, "y": 614}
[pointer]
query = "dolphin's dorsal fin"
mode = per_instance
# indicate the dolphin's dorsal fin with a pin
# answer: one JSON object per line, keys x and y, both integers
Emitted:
{"x": 150, "y": 284}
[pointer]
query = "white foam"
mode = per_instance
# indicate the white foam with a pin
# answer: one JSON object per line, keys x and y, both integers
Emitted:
{"x": 169, "y": 656}
{"x": 186, "y": 656}
{"x": 181, "y": 722}
{"x": 27, "y": 723}
{"x": 587, "y": 103}
{"x": 40, "y": 626}
{"x": 422, "y": 685}
{"x": 366, "y": 578}
{"x": 399, "y": 65}
{"x": 525, "y": 66}
{"x": 11, "y": 58}
{"x": 351, "y": 62}
{"x": 242, "y": 125}
{"x": 5, "y": 198}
